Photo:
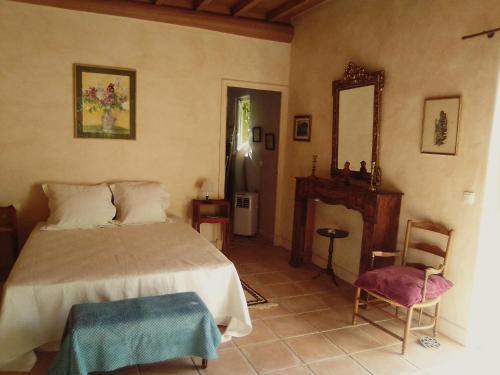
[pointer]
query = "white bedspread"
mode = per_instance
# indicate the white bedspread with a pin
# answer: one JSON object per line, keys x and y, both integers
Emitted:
{"x": 57, "y": 269}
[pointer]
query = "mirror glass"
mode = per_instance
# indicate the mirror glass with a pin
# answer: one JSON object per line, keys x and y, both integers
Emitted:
{"x": 356, "y": 122}
{"x": 355, "y": 126}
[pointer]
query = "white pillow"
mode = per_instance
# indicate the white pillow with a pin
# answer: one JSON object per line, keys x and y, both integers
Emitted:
{"x": 140, "y": 202}
{"x": 78, "y": 206}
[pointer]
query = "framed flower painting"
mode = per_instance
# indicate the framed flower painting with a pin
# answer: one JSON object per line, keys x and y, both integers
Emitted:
{"x": 104, "y": 102}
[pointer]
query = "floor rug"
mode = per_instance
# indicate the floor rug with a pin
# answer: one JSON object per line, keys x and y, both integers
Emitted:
{"x": 255, "y": 299}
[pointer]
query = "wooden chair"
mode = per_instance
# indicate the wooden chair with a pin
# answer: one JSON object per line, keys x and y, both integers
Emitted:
{"x": 372, "y": 298}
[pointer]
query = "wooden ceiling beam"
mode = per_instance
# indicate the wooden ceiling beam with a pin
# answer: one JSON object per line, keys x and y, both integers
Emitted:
{"x": 198, "y": 4}
{"x": 284, "y": 10}
{"x": 179, "y": 16}
{"x": 243, "y": 6}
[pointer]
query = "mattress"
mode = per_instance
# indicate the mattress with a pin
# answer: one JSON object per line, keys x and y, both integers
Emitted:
{"x": 57, "y": 269}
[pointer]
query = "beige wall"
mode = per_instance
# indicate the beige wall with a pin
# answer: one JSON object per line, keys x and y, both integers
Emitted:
{"x": 482, "y": 333}
{"x": 179, "y": 79}
{"x": 419, "y": 45}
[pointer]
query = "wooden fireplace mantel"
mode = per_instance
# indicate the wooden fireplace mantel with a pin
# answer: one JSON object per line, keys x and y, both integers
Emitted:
{"x": 379, "y": 209}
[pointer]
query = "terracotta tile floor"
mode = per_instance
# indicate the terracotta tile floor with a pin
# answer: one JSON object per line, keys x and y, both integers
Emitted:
{"x": 309, "y": 332}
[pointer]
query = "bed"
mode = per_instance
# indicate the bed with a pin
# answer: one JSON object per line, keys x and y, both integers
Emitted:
{"x": 57, "y": 269}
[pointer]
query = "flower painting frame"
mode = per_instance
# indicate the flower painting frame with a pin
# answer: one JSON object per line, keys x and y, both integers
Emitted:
{"x": 104, "y": 102}
{"x": 440, "y": 127}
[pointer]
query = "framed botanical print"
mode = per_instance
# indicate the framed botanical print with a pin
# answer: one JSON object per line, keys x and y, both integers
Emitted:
{"x": 256, "y": 134}
{"x": 440, "y": 125}
{"x": 302, "y": 128}
{"x": 270, "y": 141}
{"x": 104, "y": 100}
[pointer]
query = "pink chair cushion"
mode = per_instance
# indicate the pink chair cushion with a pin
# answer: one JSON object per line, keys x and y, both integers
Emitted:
{"x": 402, "y": 284}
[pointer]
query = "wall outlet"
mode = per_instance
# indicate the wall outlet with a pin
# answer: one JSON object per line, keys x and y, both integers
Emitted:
{"x": 469, "y": 197}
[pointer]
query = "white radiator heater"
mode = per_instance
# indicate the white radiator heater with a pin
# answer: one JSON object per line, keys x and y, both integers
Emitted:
{"x": 246, "y": 213}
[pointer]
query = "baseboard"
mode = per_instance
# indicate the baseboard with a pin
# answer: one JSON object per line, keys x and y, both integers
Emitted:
{"x": 453, "y": 331}
{"x": 341, "y": 272}
{"x": 282, "y": 242}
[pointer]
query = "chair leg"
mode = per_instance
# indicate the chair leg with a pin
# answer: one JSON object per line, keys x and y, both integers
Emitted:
{"x": 397, "y": 311}
{"x": 420, "y": 316}
{"x": 436, "y": 318}
{"x": 356, "y": 305}
{"x": 409, "y": 316}
{"x": 204, "y": 363}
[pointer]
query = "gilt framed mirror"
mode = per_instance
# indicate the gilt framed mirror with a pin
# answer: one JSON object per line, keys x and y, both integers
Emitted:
{"x": 356, "y": 121}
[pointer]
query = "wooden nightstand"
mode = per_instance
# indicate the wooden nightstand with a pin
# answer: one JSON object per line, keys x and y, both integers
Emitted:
{"x": 8, "y": 228}
{"x": 213, "y": 211}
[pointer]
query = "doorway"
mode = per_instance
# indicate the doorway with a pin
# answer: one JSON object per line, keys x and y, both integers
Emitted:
{"x": 251, "y": 155}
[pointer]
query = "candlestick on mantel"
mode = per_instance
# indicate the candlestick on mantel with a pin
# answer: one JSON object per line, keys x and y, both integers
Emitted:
{"x": 315, "y": 158}
{"x": 372, "y": 176}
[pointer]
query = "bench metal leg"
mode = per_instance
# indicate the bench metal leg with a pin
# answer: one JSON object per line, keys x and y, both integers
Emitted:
{"x": 204, "y": 363}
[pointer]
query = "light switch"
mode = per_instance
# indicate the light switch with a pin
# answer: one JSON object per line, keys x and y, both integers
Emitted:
{"x": 469, "y": 197}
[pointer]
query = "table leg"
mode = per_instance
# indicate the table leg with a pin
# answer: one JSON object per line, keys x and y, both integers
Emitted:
{"x": 224, "y": 237}
{"x": 227, "y": 236}
{"x": 330, "y": 262}
{"x": 334, "y": 279}
{"x": 329, "y": 266}
{"x": 204, "y": 363}
{"x": 15, "y": 246}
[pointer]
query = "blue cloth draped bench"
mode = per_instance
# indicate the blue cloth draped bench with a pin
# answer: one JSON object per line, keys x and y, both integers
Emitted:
{"x": 110, "y": 335}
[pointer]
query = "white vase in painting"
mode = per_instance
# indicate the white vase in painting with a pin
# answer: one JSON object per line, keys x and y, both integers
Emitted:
{"x": 107, "y": 121}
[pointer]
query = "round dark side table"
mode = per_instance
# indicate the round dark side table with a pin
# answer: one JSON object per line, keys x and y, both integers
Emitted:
{"x": 331, "y": 233}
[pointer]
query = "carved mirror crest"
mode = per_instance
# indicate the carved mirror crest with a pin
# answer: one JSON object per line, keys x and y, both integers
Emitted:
{"x": 356, "y": 121}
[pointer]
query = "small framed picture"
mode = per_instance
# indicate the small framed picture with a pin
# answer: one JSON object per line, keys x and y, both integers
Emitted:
{"x": 270, "y": 141}
{"x": 302, "y": 128}
{"x": 104, "y": 99}
{"x": 440, "y": 125}
{"x": 256, "y": 134}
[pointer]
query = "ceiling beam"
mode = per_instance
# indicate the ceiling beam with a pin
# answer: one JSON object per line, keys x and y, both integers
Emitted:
{"x": 284, "y": 10}
{"x": 242, "y": 6}
{"x": 179, "y": 16}
{"x": 198, "y": 4}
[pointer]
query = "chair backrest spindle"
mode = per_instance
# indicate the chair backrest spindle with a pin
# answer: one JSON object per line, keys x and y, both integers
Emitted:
{"x": 426, "y": 247}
